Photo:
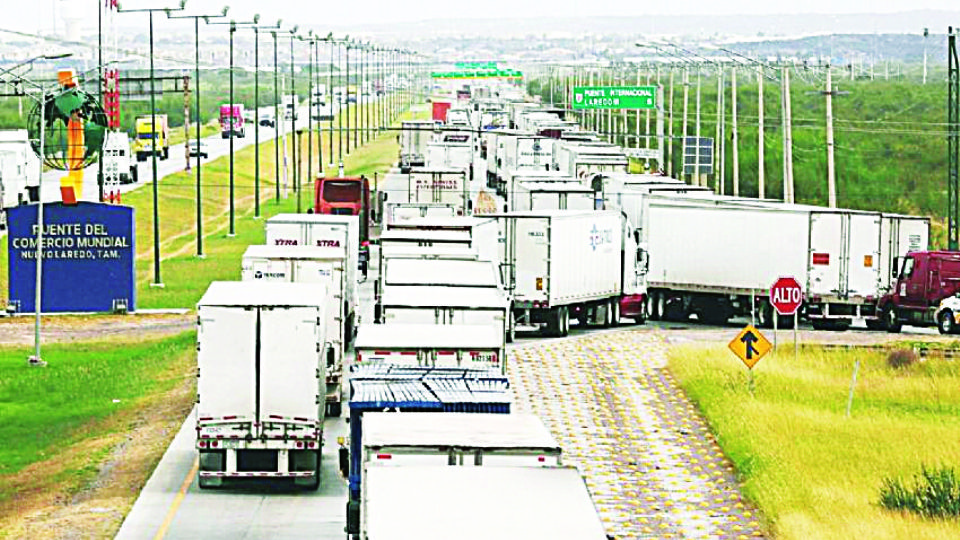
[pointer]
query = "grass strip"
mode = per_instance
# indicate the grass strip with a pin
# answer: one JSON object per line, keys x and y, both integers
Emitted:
{"x": 814, "y": 472}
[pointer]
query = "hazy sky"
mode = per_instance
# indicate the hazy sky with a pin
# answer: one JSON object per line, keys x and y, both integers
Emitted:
{"x": 31, "y": 15}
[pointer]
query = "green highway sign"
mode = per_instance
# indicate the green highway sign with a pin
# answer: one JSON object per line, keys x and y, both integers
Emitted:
{"x": 615, "y": 97}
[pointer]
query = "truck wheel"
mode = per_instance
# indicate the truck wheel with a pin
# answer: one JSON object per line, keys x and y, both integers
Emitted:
{"x": 511, "y": 333}
{"x": 334, "y": 409}
{"x": 945, "y": 322}
{"x": 614, "y": 312}
{"x": 650, "y": 307}
{"x": 891, "y": 321}
{"x": 564, "y": 321}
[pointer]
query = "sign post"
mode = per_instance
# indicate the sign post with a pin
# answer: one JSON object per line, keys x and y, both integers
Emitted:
{"x": 786, "y": 296}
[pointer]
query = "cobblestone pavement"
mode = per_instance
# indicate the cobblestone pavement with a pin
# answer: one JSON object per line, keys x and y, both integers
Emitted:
{"x": 648, "y": 458}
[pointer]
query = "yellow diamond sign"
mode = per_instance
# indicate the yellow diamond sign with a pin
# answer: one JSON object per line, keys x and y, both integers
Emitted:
{"x": 750, "y": 346}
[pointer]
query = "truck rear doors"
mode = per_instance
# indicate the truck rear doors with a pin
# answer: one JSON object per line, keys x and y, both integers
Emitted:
{"x": 289, "y": 386}
{"x": 844, "y": 259}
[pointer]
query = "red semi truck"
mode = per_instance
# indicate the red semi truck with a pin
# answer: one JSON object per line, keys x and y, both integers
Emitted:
{"x": 347, "y": 196}
{"x": 231, "y": 121}
{"x": 924, "y": 278}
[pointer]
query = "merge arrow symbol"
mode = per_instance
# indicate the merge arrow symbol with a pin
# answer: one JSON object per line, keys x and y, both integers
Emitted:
{"x": 748, "y": 340}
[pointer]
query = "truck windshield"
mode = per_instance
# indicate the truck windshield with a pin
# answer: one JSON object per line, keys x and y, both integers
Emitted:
{"x": 340, "y": 191}
{"x": 907, "y": 267}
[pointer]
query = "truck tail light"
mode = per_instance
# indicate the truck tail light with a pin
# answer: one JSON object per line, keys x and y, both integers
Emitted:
{"x": 539, "y": 283}
{"x": 821, "y": 258}
{"x": 202, "y": 444}
{"x": 868, "y": 261}
{"x": 384, "y": 456}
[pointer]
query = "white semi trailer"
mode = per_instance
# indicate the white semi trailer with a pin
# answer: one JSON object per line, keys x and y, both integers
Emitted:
{"x": 486, "y": 306}
{"x": 717, "y": 258}
{"x": 429, "y": 185}
{"x": 308, "y": 264}
{"x": 260, "y": 355}
{"x": 560, "y": 264}
{"x": 432, "y": 345}
{"x": 327, "y": 231}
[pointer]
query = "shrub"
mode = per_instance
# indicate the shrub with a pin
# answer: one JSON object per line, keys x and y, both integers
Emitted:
{"x": 935, "y": 493}
{"x": 902, "y": 358}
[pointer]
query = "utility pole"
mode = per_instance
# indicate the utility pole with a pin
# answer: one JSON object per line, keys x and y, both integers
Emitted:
{"x": 953, "y": 141}
{"x": 637, "y": 142}
{"x": 831, "y": 173}
{"x": 718, "y": 143}
{"x": 696, "y": 166}
{"x": 787, "y": 138}
{"x": 669, "y": 146}
{"x": 734, "y": 134}
{"x": 760, "y": 158}
{"x": 926, "y": 32}
{"x": 686, "y": 133}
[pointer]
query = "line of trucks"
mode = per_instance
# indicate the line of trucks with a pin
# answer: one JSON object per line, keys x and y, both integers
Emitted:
{"x": 698, "y": 253}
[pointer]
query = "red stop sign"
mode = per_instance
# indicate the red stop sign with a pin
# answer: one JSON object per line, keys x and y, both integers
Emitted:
{"x": 786, "y": 296}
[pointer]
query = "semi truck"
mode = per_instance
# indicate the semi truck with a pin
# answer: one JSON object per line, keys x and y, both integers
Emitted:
{"x": 452, "y": 151}
{"x": 833, "y": 253}
{"x": 429, "y": 185}
{"x": 152, "y": 139}
{"x": 347, "y": 196}
{"x": 232, "y": 120}
{"x": 414, "y": 137}
{"x": 925, "y": 278}
{"x": 431, "y": 345}
{"x": 487, "y": 306}
{"x": 324, "y": 231}
{"x": 563, "y": 264}
{"x": 437, "y": 391}
{"x": 578, "y": 159}
{"x": 19, "y": 171}
{"x": 519, "y": 153}
{"x": 116, "y": 158}
{"x": 309, "y": 264}
{"x": 260, "y": 353}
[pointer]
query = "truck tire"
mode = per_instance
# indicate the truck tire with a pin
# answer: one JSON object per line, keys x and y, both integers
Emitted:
{"x": 891, "y": 321}
{"x": 614, "y": 307}
{"x": 945, "y": 322}
{"x": 650, "y": 307}
{"x": 334, "y": 409}
{"x": 564, "y": 321}
{"x": 554, "y": 326}
{"x": 511, "y": 333}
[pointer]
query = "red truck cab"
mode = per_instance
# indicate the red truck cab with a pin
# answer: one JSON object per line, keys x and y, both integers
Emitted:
{"x": 924, "y": 278}
{"x": 347, "y": 196}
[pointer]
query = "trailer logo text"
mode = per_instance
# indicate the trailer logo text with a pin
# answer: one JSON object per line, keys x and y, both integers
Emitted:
{"x": 599, "y": 237}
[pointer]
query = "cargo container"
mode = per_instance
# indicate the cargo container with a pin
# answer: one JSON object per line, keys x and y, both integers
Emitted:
{"x": 560, "y": 264}
{"x": 482, "y": 305}
{"x": 899, "y": 235}
{"x": 483, "y": 232}
{"x": 834, "y": 254}
{"x": 453, "y": 153}
{"x": 579, "y": 159}
{"x": 307, "y": 264}
{"x": 427, "y": 185}
{"x": 440, "y": 109}
{"x": 521, "y": 153}
{"x": 490, "y": 150}
{"x": 516, "y": 503}
{"x": 925, "y": 279}
{"x": 570, "y": 195}
{"x": 431, "y": 345}
{"x": 260, "y": 352}
{"x": 325, "y": 231}
{"x": 414, "y": 137}
{"x": 399, "y": 211}
{"x": 375, "y": 388}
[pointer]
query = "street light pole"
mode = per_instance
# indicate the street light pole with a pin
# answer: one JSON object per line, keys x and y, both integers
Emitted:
{"x": 256, "y": 115}
{"x": 347, "y": 96}
{"x": 199, "y": 119}
{"x": 293, "y": 127}
{"x": 276, "y": 117}
{"x": 153, "y": 126}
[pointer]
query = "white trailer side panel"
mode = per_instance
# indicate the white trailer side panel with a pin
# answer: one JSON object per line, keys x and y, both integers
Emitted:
{"x": 585, "y": 257}
{"x": 844, "y": 254}
{"x": 698, "y": 246}
{"x": 225, "y": 360}
{"x": 291, "y": 347}
{"x": 529, "y": 252}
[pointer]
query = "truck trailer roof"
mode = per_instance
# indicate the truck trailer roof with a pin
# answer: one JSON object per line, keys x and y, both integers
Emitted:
{"x": 293, "y": 252}
{"x": 452, "y": 272}
{"x": 480, "y": 503}
{"x": 443, "y": 297}
{"x": 428, "y": 336}
{"x": 501, "y": 431}
{"x": 263, "y": 293}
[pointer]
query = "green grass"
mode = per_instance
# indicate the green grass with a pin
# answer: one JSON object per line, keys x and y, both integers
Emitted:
{"x": 185, "y": 276}
{"x": 43, "y": 409}
{"x": 814, "y": 472}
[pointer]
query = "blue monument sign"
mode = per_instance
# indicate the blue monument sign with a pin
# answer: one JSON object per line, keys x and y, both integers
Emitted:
{"x": 88, "y": 257}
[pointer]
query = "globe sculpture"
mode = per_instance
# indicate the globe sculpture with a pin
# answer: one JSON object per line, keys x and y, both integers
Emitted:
{"x": 59, "y": 109}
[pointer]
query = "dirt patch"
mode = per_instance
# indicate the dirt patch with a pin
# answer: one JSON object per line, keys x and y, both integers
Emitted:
{"x": 51, "y": 501}
{"x": 20, "y": 330}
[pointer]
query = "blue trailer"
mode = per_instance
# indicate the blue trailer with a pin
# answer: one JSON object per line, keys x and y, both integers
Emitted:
{"x": 381, "y": 387}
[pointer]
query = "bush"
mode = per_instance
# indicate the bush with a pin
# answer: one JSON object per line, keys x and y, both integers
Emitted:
{"x": 902, "y": 358}
{"x": 935, "y": 493}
